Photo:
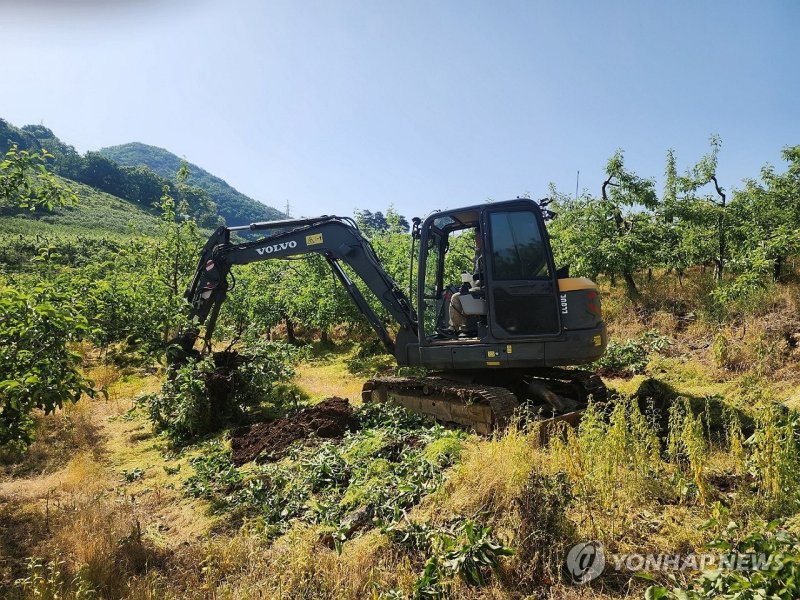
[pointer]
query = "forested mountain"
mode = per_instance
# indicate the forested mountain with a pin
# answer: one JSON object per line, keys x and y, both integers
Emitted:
{"x": 234, "y": 206}
{"x": 208, "y": 197}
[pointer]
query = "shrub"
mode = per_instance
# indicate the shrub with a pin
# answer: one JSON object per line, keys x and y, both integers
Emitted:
{"x": 183, "y": 408}
{"x": 736, "y": 296}
{"x": 37, "y": 369}
{"x": 371, "y": 478}
{"x": 631, "y": 356}
{"x": 203, "y": 395}
{"x": 688, "y": 448}
{"x": 612, "y": 462}
{"x": 776, "y": 549}
{"x": 466, "y": 549}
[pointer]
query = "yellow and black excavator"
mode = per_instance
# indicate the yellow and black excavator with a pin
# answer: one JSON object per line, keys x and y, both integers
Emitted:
{"x": 497, "y": 344}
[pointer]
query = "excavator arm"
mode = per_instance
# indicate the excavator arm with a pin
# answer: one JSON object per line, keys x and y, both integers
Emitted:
{"x": 335, "y": 238}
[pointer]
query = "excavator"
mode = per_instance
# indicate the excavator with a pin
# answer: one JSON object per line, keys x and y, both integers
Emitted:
{"x": 505, "y": 341}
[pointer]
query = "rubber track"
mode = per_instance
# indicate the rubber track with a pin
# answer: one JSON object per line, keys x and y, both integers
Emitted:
{"x": 502, "y": 401}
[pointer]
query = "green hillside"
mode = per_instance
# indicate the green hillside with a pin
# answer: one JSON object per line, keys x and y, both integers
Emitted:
{"x": 95, "y": 212}
{"x": 234, "y": 206}
{"x": 133, "y": 180}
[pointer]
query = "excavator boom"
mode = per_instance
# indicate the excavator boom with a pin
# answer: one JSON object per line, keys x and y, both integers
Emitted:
{"x": 335, "y": 238}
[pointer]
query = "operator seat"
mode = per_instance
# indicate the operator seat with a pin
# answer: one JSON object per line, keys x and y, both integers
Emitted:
{"x": 470, "y": 302}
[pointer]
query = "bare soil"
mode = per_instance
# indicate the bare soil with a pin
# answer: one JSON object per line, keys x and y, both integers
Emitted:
{"x": 270, "y": 440}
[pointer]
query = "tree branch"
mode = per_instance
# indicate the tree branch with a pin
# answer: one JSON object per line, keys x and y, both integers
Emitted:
{"x": 606, "y": 183}
{"x": 719, "y": 190}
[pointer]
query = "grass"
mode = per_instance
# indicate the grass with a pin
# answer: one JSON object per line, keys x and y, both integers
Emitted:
{"x": 325, "y": 379}
{"x": 618, "y": 478}
{"x": 69, "y": 501}
{"x": 96, "y": 213}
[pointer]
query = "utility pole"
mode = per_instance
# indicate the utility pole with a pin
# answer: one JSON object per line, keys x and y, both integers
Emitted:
{"x": 577, "y": 180}
{"x": 288, "y": 214}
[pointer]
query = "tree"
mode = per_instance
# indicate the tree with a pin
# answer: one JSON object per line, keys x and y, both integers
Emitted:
{"x": 37, "y": 369}
{"x": 766, "y": 217}
{"x": 396, "y": 222}
{"x": 631, "y": 237}
{"x": 25, "y": 182}
{"x": 66, "y": 160}
{"x": 173, "y": 259}
{"x": 698, "y": 176}
{"x": 580, "y": 231}
{"x": 98, "y": 171}
{"x": 376, "y": 222}
{"x": 687, "y": 220}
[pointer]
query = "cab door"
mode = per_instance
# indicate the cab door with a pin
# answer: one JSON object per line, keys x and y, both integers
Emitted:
{"x": 523, "y": 292}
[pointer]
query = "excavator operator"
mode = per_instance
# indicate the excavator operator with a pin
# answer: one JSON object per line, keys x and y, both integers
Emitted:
{"x": 458, "y": 318}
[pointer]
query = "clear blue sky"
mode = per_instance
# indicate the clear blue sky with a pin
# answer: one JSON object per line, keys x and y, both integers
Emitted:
{"x": 424, "y": 104}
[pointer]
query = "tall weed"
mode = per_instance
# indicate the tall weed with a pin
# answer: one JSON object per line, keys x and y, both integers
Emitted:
{"x": 688, "y": 449}
{"x": 774, "y": 460}
{"x": 612, "y": 462}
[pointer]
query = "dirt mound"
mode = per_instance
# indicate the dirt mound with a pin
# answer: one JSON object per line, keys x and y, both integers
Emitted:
{"x": 331, "y": 418}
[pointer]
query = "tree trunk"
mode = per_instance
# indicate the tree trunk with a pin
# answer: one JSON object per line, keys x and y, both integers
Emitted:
{"x": 719, "y": 269}
{"x": 290, "y": 331}
{"x": 719, "y": 263}
{"x": 323, "y": 336}
{"x": 777, "y": 268}
{"x": 630, "y": 284}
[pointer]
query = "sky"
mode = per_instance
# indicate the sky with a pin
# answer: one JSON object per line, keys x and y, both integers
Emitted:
{"x": 336, "y": 105}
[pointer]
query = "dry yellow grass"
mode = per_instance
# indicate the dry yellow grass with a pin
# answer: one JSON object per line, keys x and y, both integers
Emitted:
{"x": 75, "y": 507}
{"x": 104, "y": 376}
{"x": 491, "y": 475}
{"x": 325, "y": 379}
{"x": 297, "y": 565}
{"x": 794, "y": 399}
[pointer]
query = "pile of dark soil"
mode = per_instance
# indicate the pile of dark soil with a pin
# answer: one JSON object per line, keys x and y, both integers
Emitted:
{"x": 331, "y": 418}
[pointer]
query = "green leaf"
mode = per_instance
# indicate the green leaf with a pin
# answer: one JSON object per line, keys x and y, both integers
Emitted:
{"x": 655, "y": 592}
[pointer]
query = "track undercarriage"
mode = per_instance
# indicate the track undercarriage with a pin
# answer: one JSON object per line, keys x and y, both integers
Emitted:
{"x": 548, "y": 396}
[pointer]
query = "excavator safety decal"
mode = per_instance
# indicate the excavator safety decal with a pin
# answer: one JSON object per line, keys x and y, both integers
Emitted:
{"x": 312, "y": 240}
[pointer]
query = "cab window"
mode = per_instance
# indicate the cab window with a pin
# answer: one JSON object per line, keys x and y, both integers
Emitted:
{"x": 518, "y": 250}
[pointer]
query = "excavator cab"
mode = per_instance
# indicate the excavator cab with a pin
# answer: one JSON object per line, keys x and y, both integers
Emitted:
{"x": 513, "y": 309}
